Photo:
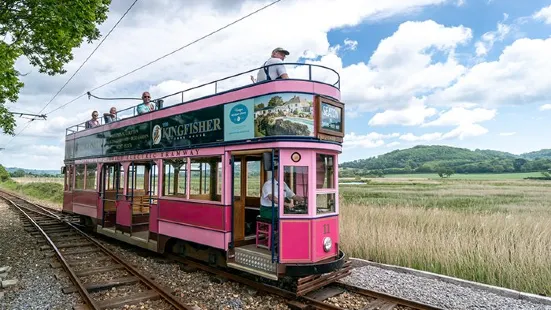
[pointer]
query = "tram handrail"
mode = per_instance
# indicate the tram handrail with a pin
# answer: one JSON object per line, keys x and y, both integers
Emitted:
{"x": 159, "y": 101}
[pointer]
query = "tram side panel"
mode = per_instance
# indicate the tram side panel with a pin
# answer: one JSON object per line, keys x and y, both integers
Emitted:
{"x": 68, "y": 189}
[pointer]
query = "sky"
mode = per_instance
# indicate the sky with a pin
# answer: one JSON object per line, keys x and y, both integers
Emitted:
{"x": 464, "y": 73}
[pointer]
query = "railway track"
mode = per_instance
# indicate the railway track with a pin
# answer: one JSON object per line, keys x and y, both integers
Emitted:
{"x": 82, "y": 257}
{"x": 96, "y": 273}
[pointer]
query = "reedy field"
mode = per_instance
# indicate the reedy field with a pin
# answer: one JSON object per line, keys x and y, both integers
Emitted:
{"x": 494, "y": 229}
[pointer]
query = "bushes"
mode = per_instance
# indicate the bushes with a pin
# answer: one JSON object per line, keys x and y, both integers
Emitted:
{"x": 41, "y": 190}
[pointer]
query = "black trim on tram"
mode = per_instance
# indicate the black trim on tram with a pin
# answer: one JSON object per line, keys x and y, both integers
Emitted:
{"x": 302, "y": 270}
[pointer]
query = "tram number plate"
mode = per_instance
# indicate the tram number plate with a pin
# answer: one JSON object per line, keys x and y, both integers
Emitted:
{"x": 322, "y": 136}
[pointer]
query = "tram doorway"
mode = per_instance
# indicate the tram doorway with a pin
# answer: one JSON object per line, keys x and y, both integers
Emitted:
{"x": 112, "y": 187}
{"x": 248, "y": 178}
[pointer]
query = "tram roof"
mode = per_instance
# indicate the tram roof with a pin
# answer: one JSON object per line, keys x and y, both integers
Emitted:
{"x": 302, "y": 72}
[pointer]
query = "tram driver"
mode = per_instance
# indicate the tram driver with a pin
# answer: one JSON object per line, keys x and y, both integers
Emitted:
{"x": 267, "y": 196}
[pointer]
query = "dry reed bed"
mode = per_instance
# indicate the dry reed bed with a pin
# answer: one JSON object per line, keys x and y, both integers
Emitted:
{"x": 489, "y": 240}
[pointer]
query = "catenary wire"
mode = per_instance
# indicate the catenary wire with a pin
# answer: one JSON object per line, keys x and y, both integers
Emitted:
{"x": 69, "y": 80}
{"x": 166, "y": 55}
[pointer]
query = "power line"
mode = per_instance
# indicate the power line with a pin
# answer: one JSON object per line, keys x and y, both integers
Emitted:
{"x": 166, "y": 55}
{"x": 86, "y": 60}
{"x": 69, "y": 80}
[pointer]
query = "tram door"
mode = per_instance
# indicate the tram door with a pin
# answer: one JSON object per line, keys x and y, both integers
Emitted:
{"x": 112, "y": 186}
{"x": 248, "y": 178}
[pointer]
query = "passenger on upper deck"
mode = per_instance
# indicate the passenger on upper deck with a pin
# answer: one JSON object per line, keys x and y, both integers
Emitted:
{"x": 111, "y": 116}
{"x": 267, "y": 196}
{"x": 277, "y": 71}
{"x": 146, "y": 105}
{"x": 93, "y": 122}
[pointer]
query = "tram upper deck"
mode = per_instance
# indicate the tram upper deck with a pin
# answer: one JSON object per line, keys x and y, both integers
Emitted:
{"x": 305, "y": 107}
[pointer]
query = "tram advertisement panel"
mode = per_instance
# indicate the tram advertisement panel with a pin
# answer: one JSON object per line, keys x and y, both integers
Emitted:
{"x": 190, "y": 128}
{"x": 284, "y": 114}
{"x": 129, "y": 138}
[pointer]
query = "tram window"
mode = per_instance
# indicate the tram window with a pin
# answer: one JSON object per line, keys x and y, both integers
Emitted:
{"x": 69, "y": 178}
{"x": 79, "y": 176}
{"x": 297, "y": 180}
{"x": 121, "y": 179}
{"x": 325, "y": 171}
{"x": 237, "y": 179}
{"x": 175, "y": 177}
{"x": 253, "y": 178}
{"x": 91, "y": 172}
{"x": 325, "y": 203}
{"x": 205, "y": 178}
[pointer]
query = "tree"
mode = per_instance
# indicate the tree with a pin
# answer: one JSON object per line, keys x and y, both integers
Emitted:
{"x": 19, "y": 173}
{"x": 275, "y": 101}
{"x": 518, "y": 163}
{"x": 4, "y": 175}
{"x": 45, "y": 32}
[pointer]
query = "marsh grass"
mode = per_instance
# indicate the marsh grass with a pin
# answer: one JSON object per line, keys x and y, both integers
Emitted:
{"x": 499, "y": 235}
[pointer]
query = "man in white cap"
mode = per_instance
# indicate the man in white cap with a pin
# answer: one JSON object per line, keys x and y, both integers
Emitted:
{"x": 273, "y": 68}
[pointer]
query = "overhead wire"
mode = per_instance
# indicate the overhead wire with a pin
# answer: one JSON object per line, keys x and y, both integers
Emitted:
{"x": 72, "y": 76}
{"x": 168, "y": 54}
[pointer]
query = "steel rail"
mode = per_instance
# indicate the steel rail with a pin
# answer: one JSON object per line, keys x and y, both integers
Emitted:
{"x": 166, "y": 296}
{"x": 290, "y": 296}
{"x": 83, "y": 292}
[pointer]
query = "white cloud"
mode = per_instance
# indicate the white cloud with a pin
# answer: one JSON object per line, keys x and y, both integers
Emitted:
{"x": 517, "y": 77}
{"x": 545, "y": 107}
{"x": 350, "y": 44}
{"x": 413, "y": 115}
{"x": 465, "y": 130}
{"x": 149, "y": 32}
{"x": 506, "y": 134}
{"x": 458, "y": 116}
{"x": 489, "y": 38}
{"x": 425, "y": 137}
{"x": 544, "y": 14}
{"x": 370, "y": 140}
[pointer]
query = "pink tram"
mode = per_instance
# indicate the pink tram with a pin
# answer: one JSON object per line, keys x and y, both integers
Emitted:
{"x": 188, "y": 178}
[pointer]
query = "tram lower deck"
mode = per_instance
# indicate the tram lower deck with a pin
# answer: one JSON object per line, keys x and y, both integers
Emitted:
{"x": 206, "y": 203}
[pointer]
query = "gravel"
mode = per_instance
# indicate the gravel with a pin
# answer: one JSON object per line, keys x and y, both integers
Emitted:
{"x": 37, "y": 288}
{"x": 194, "y": 287}
{"x": 434, "y": 292}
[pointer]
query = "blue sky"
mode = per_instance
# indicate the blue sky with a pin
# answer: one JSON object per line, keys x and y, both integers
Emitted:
{"x": 515, "y": 128}
{"x": 465, "y": 73}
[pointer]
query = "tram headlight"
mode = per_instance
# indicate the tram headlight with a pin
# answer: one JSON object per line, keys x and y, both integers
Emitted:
{"x": 327, "y": 243}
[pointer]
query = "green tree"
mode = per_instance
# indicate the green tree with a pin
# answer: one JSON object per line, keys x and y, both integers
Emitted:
{"x": 45, "y": 32}
{"x": 4, "y": 175}
{"x": 275, "y": 101}
{"x": 19, "y": 173}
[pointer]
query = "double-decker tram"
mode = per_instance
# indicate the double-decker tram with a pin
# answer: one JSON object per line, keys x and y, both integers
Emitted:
{"x": 196, "y": 178}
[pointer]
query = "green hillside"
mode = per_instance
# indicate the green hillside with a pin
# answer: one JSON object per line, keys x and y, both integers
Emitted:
{"x": 431, "y": 158}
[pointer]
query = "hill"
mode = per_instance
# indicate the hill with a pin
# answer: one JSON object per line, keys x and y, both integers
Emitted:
{"x": 431, "y": 158}
{"x": 34, "y": 171}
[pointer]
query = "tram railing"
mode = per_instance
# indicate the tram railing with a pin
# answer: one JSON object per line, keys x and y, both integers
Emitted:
{"x": 297, "y": 72}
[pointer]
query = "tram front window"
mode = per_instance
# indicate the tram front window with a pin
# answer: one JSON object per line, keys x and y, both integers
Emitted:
{"x": 296, "y": 177}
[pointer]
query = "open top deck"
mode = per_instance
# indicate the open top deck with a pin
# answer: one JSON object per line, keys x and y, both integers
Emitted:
{"x": 305, "y": 107}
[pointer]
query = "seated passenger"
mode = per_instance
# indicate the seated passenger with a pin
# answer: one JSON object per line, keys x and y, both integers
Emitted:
{"x": 146, "y": 106}
{"x": 275, "y": 72}
{"x": 267, "y": 196}
{"x": 93, "y": 122}
{"x": 111, "y": 116}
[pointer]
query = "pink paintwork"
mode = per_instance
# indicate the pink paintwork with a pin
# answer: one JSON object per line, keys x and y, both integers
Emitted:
{"x": 295, "y": 241}
{"x": 124, "y": 213}
{"x": 231, "y": 96}
{"x": 203, "y": 214}
{"x": 153, "y": 218}
{"x": 321, "y": 228}
{"x": 212, "y": 238}
{"x": 84, "y": 210}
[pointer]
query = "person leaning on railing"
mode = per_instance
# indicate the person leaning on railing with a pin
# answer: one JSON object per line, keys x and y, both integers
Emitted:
{"x": 273, "y": 68}
{"x": 146, "y": 106}
{"x": 111, "y": 116}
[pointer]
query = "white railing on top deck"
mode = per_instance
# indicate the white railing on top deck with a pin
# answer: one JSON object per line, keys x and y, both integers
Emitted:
{"x": 299, "y": 71}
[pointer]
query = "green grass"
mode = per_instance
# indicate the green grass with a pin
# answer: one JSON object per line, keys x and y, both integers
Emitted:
{"x": 48, "y": 191}
{"x": 468, "y": 176}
